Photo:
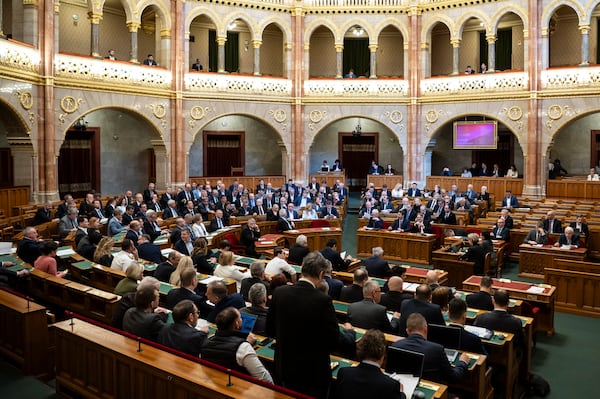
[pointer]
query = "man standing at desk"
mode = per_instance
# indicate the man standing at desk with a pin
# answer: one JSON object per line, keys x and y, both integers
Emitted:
{"x": 500, "y": 320}
{"x": 302, "y": 362}
{"x": 331, "y": 254}
{"x": 376, "y": 265}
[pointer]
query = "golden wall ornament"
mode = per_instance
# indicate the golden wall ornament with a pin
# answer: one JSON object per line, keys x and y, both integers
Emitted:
{"x": 316, "y": 116}
{"x": 158, "y": 110}
{"x": 70, "y": 104}
{"x": 279, "y": 115}
{"x": 395, "y": 116}
{"x": 431, "y": 117}
{"x": 556, "y": 112}
{"x": 197, "y": 112}
{"x": 25, "y": 99}
{"x": 514, "y": 113}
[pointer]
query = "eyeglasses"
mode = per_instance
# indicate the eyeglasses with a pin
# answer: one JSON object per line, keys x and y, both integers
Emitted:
{"x": 196, "y": 312}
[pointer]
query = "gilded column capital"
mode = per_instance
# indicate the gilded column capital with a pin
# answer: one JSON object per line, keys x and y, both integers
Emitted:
{"x": 94, "y": 18}
{"x": 221, "y": 40}
{"x": 256, "y": 43}
{"x": 165, "y": 33}
{"x": 491, "y": 39}
{"x": 339, "y": 48}
{"x": 30, "y": 3}
{"x": 455, "y": 42}
{"x": 373, "y": 47}
{"x": 584, "y": 29}
{"x": 288, "y": 46}
{"x": 133, "y": 26}
{"x": 57, "y": 7}
{"x": 306, "y": 46}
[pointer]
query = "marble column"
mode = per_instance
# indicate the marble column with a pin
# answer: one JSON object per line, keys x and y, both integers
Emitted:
{"x": 526, "y": 44}
{"x": 373, "y": 50}
{"x": 455, "y": 56}
{"x": 56, "y": 23}
{"x": 339, "y": 54}
{"x": 405, "y": 52}
{"x": 296, "y": 153}
{"x": 133, "y": 32}
{"x": 256, "y": 64}
{"x": 164, "y": 53}
{"x": 95, "y": 31}
{"x": 307, "y": 60}
{"x": 30, "y": 22}
{"x": 287, "y": 56}
{"x": 221, "y": 53}
{"x": 585, "y": 44}
{"x": 186, "y": 52}
{"x": 413, "y": 154}
{"x": 425, "y": 60}
{"x": 544, "y": 48}
{"x": 491, "y": 41}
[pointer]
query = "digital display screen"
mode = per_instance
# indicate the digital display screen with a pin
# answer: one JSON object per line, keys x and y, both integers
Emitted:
{"x": 475, "y": 135}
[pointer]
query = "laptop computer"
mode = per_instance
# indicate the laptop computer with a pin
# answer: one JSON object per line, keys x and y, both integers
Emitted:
{"x": 448, "y": 337}
{"x": 5, "y": 248}
{"x": 248, "y": 322}
{"x": 405, "y": 366}
{"x": 324, "y": 169}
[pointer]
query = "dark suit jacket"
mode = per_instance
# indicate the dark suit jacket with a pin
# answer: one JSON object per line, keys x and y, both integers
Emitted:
{"x": 163, "y": 271}
{"x": 368, "y": 314}
{"x": 235, "y": 300}
{"x": 480, "y": 300}
{"x": 405, "y": 226}
{"x": 476, "y": 254}
{"x": 437, "y": 367}
{"x": 150, "y": 252}
{"x": 29, "y": 250}
{"x": 366, "y": 381}
{"x": 450, "y": 219}
{"x": 335, "y": 287}
{"x": 413, "y": 192}
{"x": 504, "y": 234}
{"x": 377, "y": 267}
{"x": 214, "y": 226}
{"x": 512, "y": 201}
{"x": 283, "y": 225}
{"x": 430, "y": 311}
{"x": 336, "y": 260}
{"x": 181, "y": 247}
{"x": 584, "y": 229}
{"x": 133, "y": 236}
{"x": 500, "y": 320}
{"x": 150, "y": 230}
{"x": 297, "y": 254}
{"x": 182, "y": 337}
{"x": 574, "y": 240}
{"x": 470, "y": 342}
{"x": 392, "y": 300}
{"x": 248, "y": 238}
{"x": 333, "y": 211}
{"x": 351, "y": 293}
{"x": 249, "y": 282}
{"x": 168, "y": 213}
{"x": 164, "y": 199}
{"x": 41, "y": 216}
{"x": 177, "y": 295}
{"x": 303, "y": 364}
{"x": 375, "y": 223}
{"x": 531, "y": 236}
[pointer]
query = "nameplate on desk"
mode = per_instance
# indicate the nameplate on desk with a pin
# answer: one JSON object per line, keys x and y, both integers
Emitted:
{"x": 266, "y": 242}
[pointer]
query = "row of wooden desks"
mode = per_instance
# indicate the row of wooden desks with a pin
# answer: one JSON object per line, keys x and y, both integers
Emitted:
{"x": 534, "y": 258}
{"x": 398, "y": 246}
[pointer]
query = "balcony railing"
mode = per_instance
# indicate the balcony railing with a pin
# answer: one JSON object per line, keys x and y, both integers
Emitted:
{"x": 19, "y": 56}
{"x": 112, "y": 72}
{"x": 355, "y": 87}
{"x": 571, "y": 78}
{"x": 237, "y": 84}
{"x": 475, "y": 84}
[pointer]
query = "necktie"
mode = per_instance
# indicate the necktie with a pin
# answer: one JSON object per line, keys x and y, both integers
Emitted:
{"x": 219, "y": 223}
{"x": 260, "y": 210}
{"x": 499, "y": 231}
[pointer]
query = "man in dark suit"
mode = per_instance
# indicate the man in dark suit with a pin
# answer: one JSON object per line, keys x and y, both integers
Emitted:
{"x": 509, "y": 201}
{"x": 218, "y": 222}
{"x": 568, "y": 238}
{"x": 299, "y": 250}
{"x": 500, "y": 232}
{"x": 257, "y": 275}
{"x": 421, "y": 304}
{"x": 483, "y": 298}
{"x": 376, "y": 265}
{"x": 537, "y": 235}
{"x": 331, "y": 254}
{"x": 283, "y": 222}
{"x": 62, "y": 208}
{"x": 354, "y": 292}
{"x": 400, "y": 224}
{"x": 164, "y": 270}
{"x": 147, "y": 250}
{"x": 457, "y": 311}
{"x": 303, "y": 364}
{"x": 335, "y": 285}
{"x": 182, "y": 335}
{"x": 500, "y": 320}
{"x": 248, "y": 237}
{"x": 329, "y": 211}
{"x": 189, "y": 282}
{"x": 134, "y": 232}
{"x": 184, "y": 245}
{"x": 436, "y": 366}
{"x": 475, "y": 253}
{"x": 43, "y": 214}
{"x": 147, "y": 194}
{"x": 366, "y": 380}
{"x": 170, "y": 210}
{"x": 368, "y": 313}
{"x": 395, "y": 295}
{"x": 509, "y": 222}
{"x": 166, "y": 197}
{"x": 184, "y": 196}
{"x": 580, "y": 227}
{"x": 375, "y": 222}
{"x": 375, "y": 169}
{"x": 29, "y": 248}
{"x": 447, "y": 216}
{"x": 413, "y": 191}
{"x": 216, "y": 292}
{"x": 551, "y": 224}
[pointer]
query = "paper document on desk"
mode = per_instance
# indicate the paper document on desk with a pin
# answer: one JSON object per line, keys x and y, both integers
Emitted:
{"x": 165, "y": 252}
{"x": 209, "y": 280}
{"x": 6, "y": 248}
{"x": 535, "y": 289}
{"x": 65, "y": 252}
{"x": 408, "y": 381}
{"x": 343, "y": 255}
{"x": 410, "y": 287}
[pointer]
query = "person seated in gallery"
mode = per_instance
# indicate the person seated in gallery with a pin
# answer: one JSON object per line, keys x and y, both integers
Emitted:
{"x": 593, "y": 176}
{"x": 537, "y": 236}
{"x": 580, "y": 227}
{"x": 389, "y": 171}
{"x": 375, "y": 222}
{"x": 447, "y": 216}
{"x": 568, "y": 239}
{"x": 421, "y": 226}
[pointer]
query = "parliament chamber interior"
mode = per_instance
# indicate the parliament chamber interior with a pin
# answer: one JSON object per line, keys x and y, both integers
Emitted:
{"x": 362, "y": 102}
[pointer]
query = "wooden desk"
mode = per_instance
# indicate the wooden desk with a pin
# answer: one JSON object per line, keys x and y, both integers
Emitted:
{"x": 269, "y": 242}
{"x": 380, "y": 180}
{"x": 317, "y": 237}
{"x": 95, "y": 362}
{"x": 520, "y": 290}
{"x": 330, "y": 177}
{"x": 407, "y": 247}
{"x": 577, "y": 286}
{"x": 458, "y": 270}
{"x": 24, "y": 335}
{"x": 413, "y": 275}
{"x": 533, "y": 259}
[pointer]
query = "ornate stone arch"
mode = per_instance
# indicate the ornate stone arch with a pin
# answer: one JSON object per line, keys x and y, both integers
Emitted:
{"x": 310, "y": 28}
{"x": 381, "y": 25}
{"x": 552, "y": 7}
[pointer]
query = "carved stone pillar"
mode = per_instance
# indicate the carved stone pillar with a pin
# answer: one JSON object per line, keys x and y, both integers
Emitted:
{"x": 256, "y": 64}
{"x": 186, "y": 52}
{"x": 30, "y": 22}
{"x": 133, "y": 31}
{"x": 307, "y": 60}
{"x": 455, "y": 56}
{"x": 373, "y": 49}
{"x": 161, "y": 163}
{"x": 526, "y": 44}
{"x": 405, "y": 59}
{"x": 491, "y": 40}
{"x": 413, "y": 155}
{"x": 165, "y": 48}
{"x": 287, "y": 56}
{"x": 545, "y": 48}
{"x": 95, "y": 30}
{"x": 425, "y": 60}
{"x": 339, "y": 53}
{"x": 221, "y": 53}
{"x": 56, "y": 23}
{"x": 585, "y": 44}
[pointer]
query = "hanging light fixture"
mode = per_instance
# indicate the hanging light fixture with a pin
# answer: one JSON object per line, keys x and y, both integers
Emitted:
{"x": 357, "y": 129}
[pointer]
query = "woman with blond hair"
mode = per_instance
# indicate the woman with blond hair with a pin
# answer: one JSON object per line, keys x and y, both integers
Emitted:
{"x": 227, "y": 269}
{"x": 133, "y": 274}
{"x": 103, "y": 254}
{"x": 199, "y": 256}
{"x": 184, "y": 263}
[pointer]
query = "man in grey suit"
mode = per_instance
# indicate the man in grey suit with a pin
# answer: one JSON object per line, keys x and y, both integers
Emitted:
{"x": 369, "y": 314}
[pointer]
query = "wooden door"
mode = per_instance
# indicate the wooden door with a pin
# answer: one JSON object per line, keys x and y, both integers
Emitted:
{"x": 6, "y": 168}
{"x": 594, "y": 148}
{"x": 222, "y": 151}
{"x": 356, "y": 154}
{"x": 503, "y": 155}
{"x": 79, "y": 162}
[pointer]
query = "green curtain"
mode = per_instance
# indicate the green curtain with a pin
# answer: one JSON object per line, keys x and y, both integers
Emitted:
{"x": 213, "y": 51}
{"x": 356, "y": 56}
{"x": 503, "y": 50}
{"x": 232, "y": 52}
